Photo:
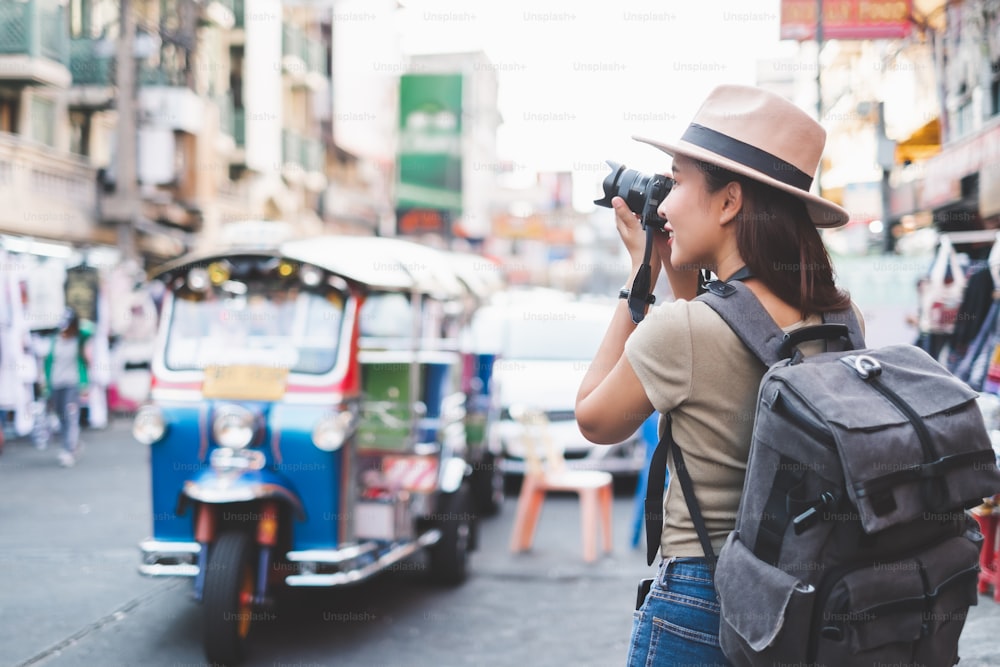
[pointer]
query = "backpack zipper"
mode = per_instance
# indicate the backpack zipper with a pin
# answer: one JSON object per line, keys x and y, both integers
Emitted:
{"x": 808, "y": 518}
{"x": 927, "y": 490}
{"x": 923, "y": 435}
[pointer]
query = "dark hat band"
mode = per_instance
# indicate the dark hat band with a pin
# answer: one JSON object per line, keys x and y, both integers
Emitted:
{"x": 747, "y": 155}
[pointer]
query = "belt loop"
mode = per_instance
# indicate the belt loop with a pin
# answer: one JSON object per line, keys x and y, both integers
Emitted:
{"x": 665, "y": 564}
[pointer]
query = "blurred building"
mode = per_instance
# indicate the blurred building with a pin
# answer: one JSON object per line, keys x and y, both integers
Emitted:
{"x": 232, "y": 109}
{"x": 960, "y": 186}
{"x": 911, "y": 115}
{"x": 534, "y": 228}
{"x": 47, "y": 182}
{"x": 447, "y": 149}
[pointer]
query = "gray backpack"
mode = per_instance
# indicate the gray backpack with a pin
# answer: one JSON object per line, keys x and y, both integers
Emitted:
{"x": 852, "y": 545}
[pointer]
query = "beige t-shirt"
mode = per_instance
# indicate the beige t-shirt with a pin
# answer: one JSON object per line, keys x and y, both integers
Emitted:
{"x": 692, "y": 365}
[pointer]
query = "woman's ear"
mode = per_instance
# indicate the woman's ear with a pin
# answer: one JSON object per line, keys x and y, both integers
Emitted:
{"x": 732, "y": 201}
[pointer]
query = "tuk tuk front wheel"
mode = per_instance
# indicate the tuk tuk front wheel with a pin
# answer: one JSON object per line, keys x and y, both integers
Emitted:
{"x": 449, "y": 557}
{"x": 228, "y": 597}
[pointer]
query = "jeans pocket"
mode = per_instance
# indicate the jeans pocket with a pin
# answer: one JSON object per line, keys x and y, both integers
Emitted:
{"x": 677, "y": 624}
{"x": 686, "y": 608}
{"x": 683, "y": 633}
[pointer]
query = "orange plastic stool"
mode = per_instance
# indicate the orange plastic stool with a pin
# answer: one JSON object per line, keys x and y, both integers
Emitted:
{"x": 596, "y": 497}
{"x": 545, "y": 472}
{"x": 987, "y": 516}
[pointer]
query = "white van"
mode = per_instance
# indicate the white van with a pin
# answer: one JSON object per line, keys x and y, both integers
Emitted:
{"x": 544, "y": 344}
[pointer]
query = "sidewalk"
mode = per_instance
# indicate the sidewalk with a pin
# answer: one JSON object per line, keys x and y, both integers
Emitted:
{"x": 978, "y": 646}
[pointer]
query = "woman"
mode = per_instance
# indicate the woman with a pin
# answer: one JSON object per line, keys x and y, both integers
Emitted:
{"x": 740, "y": 203}
{"x": 66, "y": 369}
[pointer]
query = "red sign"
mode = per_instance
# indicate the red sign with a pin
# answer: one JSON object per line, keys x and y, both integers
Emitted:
{"x": 846, "y": 19}
{"x": 422, "y": 221}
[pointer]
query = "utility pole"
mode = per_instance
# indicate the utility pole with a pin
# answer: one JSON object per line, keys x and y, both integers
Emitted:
{"x": 126, "y": 209}
{"x": 886, "y": 152}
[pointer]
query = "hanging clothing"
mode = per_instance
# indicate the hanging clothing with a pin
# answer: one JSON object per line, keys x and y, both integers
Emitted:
{"x": 976, "y": 302}
{"x": 974, "y": 364}
{"x": 17, "y": 366}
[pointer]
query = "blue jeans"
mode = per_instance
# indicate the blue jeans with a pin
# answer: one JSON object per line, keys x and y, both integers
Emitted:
{"x": 66, "y": 401}
{"x": 678, "y": 623}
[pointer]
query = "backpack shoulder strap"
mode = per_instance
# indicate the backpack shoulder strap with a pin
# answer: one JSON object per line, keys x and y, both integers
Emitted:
{"x": 750, "y": 321}
{"x": 746, "y": 316}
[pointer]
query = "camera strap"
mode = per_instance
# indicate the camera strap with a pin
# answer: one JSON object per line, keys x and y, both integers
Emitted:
{"x": 638, "y": 298}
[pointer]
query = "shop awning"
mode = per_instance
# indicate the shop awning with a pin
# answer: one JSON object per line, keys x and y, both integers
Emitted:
{"x": 922, "y": 144}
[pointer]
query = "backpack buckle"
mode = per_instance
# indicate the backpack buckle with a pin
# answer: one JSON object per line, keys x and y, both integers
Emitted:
{"x": 720, "y": 288}
{"x": 867, "y": 367}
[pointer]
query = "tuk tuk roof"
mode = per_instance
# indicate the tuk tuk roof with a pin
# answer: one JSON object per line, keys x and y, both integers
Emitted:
{"x": 379, "y": 262}
{"x": 480, "y": 275}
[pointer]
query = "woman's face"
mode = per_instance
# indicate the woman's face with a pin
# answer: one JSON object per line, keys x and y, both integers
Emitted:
{"x": 693, "y": 216}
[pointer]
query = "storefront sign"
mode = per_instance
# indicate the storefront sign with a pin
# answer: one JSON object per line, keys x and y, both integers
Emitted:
{"x": 846, "y": 19}
{"x": 943, "y": 172}
{"x": 430, "y": 143}
{"x": 507, "y": 226}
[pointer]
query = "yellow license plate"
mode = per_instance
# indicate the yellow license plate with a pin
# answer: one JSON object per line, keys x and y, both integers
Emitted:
{"x": 248, "y": 383}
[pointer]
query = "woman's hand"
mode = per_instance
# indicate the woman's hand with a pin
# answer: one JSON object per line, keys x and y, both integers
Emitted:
{"x": 633, "y": 235}
{"x": 683, "y": 281}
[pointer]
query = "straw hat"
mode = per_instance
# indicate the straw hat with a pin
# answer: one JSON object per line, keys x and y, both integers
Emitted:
{"x": 762, "y": 136}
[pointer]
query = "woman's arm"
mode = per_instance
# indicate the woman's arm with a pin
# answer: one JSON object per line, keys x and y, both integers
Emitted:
{"x": 611, "y": 402}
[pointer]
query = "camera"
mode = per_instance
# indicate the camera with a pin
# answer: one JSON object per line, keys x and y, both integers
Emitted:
{"x": 643, "y": 193}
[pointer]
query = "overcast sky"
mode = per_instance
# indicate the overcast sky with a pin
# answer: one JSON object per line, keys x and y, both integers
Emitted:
{"x": 577, "y": 81}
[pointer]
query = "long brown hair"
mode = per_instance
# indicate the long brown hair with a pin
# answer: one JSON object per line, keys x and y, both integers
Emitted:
{"x": 780, "y": 245}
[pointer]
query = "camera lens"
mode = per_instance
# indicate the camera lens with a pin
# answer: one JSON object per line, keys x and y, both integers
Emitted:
{"x": 642, "y": 193}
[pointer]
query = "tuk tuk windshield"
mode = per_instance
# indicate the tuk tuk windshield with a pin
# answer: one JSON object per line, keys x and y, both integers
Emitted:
{"x": 255, "y": 325}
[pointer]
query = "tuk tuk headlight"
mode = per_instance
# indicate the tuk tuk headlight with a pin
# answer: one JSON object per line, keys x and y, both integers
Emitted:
{"x": 148, "y": 426}
{"x": 333, "y": 430}
{"x": 233, "y": 426}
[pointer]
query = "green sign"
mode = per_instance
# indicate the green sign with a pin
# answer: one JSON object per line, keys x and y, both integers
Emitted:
{"x": 430, "y": 142}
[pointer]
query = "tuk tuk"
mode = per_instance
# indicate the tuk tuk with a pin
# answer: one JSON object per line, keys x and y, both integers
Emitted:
{"x": 309, "y": 421}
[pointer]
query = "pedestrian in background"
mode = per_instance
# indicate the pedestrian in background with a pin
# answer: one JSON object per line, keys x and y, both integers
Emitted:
{"x": 739, "y": 206}
{"x": 66, "y": 368}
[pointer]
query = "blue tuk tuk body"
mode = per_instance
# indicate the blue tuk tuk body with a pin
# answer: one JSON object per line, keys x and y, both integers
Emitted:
{"x": 308, "y": 422}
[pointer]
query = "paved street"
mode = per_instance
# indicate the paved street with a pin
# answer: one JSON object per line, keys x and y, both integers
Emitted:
{"x": 72, "y": 597}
